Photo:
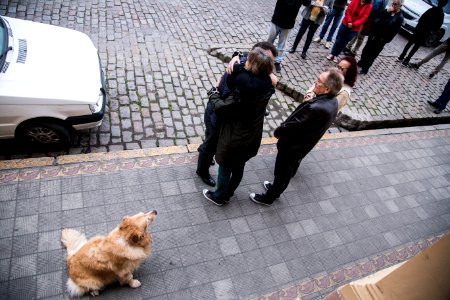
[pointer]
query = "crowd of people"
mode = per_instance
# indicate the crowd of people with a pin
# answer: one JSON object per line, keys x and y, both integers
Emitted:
{"x": 236, "y": 108}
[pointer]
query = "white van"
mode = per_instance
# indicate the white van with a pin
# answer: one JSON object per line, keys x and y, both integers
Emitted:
{"x": 413, "y": 9}
{"x": 51, "y": 83}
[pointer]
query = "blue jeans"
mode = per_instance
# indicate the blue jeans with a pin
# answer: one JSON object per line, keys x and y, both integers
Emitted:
{"x": 344, "y": 36}
{"x": 335, "y": 15}
{"x": 282, "y": 34}
{"x": 228, "y": 180}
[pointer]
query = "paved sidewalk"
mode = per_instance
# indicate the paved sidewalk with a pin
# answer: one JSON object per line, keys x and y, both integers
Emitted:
{"x": 360, "y": 202}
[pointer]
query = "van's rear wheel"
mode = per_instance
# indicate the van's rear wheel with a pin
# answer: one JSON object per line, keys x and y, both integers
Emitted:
{"x": 44, "y": 134}
{"x": 434, "y": 38}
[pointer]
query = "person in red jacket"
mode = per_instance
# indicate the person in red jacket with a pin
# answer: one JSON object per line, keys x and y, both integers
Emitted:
{"x": 354, "y": 17}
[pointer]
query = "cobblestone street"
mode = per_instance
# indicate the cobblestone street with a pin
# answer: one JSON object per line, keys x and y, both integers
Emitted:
{"x": 158, "y": 69}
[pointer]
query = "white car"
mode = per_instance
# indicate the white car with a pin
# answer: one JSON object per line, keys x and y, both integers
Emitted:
{"x": 51, "y": 83}
{"x": 413, "y": 9}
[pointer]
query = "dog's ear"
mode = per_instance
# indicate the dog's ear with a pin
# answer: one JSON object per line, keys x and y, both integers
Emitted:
{"x": 135, "y": 237}
{"x": 124, "y": 223}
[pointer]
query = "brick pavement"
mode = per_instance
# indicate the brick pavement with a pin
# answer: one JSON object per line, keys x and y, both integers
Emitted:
{"x": 158, "y": 69}
{"x": 361, "y": 201}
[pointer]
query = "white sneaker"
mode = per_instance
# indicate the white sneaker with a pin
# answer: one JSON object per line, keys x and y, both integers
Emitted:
{"x": 317, "y": 39}
{"x": 328, "y": 45}
{"x": 330, "y": 56}
{"x": 335, "y": 59}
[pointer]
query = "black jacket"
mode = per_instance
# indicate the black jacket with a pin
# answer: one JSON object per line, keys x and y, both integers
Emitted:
{"x": 286, "y": 12}
{"x": 303, "y": 129}
{"x": 430, "y": 21}
{"x": 387, "y": 26}
{"x": 242, "y": 116}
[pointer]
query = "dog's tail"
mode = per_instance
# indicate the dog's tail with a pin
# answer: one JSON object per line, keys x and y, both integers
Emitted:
{"x": 73, "y": 240}
{"x": 74, "y": 289}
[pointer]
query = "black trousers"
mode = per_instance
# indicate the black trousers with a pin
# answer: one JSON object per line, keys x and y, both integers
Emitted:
{"x": 416, "y": 47}
{"x": 371, "y": 50}
{"x": 285, "y": 167}
{"x": 303, "y": 27}
{"x": 208, "y": 148}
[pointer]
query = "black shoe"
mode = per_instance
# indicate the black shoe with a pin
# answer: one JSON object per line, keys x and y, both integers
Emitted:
{"x": 405, "y": 64}
{"x": 266, "y": 113}
{"x": 257, "y": 198}
{"x": 438, "y": 111}
{"x": 431, "y": 75}
{"x": 277, "y": 67}
{"x": 267, "y": 185}
{"x": 414, "y": 65}
{"x": 432, "y": 103}
{"x": 363, "y": 72}
{"x": 303, "y": 55}
{"x": 207, "y": 179}
{"x": 399, "y": 59}
{"x": 292, "y": 50}
{"x": 210, "y": 197}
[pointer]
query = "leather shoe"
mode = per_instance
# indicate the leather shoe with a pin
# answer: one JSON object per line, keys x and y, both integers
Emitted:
{"x": 292, "y": 50}
{"x": 207, "y": 179}
{"x": 433, "y": 104}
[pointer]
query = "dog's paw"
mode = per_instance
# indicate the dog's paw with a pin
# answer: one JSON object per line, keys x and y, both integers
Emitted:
{"x": 94, "y": 293}
{"x": 135, "y": 283}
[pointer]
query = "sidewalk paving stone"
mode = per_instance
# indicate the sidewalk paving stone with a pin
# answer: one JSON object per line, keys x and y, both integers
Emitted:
{"x": 317, "y": 236}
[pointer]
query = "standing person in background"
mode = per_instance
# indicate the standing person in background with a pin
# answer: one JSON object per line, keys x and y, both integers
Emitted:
{"x": 377, "y": 7}
{"x": 333, "y": 18}
{"x": 355, "y": 15}
{"x": 313, "y": 15}
{"x": 384, "y": 31}
{"x": 430, "y": 21}
{"x": 283, "y": 20}
{"x": 300, "y": 132}
{"x": 444, "y": 47}
{"x": 241, "y": 122}
{"x": 208, "y": 148}
{"x": 441, "y": 103}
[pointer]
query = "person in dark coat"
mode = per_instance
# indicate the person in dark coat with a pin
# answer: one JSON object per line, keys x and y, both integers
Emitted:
{"x": 283, "y": 20}
{"x": 430, "y": 21}
{"x": 207, "y": 149}
{"x": 391, "y": 19}
{"x": 241, "y": 126}
{"x": 301, "y": 131}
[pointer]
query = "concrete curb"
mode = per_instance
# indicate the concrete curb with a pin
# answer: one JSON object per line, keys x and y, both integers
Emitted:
{"x": 190, "y": 148}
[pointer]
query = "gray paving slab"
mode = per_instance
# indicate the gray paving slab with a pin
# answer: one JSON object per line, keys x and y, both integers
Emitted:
{"x": 357, "y": 218}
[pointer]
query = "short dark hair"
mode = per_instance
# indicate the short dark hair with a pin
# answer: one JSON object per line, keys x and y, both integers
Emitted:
{"x": 334, "y": 80}
{"x": 442, "y": 3}
{"x": 267, "y": 46}
{"x": 259, "y": 62}
{"x": 351, "y": 74}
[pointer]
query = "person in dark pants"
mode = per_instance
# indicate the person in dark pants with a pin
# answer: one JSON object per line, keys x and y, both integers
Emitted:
{"x": 241, "y": 122}
{"x": 301, "y": 131}
{"x": 313, "y": 16}
{"x": 430, "y": 21}
{"x": 384, "y": 31}
{"x": 333, "y": 18}
{"x": 441, "y": 103}
{"x": 207, "y": 149}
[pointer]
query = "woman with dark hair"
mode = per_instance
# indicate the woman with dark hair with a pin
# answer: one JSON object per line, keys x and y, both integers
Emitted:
{"x": 355, "y": 15}
{"x": 347, "y": 65}
{"x": 242, "y": 115}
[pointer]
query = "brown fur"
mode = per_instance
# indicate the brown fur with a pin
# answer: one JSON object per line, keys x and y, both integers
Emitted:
{"x": 103, "y": 260}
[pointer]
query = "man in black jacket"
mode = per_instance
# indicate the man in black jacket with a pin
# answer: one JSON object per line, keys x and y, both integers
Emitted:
{"x": 384, "y": 32}
{"x": 430, "y": 21}
{"x": 301, "y": 131}
{"x": 283, "y": 20}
